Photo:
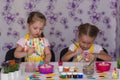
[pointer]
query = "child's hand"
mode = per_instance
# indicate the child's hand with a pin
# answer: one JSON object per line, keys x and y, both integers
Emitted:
{"x": 78, "y": 51}
{"x": 46, "y": 61}
{"x": 95, "y": 55}
{"x": 88, "y": 57}
{"x": 91, "y": 56}
{"x": 31, "y": 50}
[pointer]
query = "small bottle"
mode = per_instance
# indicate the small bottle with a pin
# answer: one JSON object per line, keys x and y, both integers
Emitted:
{"x": 115, "y": 74}
{"x": 60, "y": 63}
{"x": 60, "y": 66}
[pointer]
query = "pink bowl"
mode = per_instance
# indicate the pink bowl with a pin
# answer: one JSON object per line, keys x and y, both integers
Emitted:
{"x": 44, "y": 69}
{"x": 103, "y": 66}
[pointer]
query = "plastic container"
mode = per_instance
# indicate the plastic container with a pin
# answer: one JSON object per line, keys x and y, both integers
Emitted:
{"x": 103, "y": 66}
{"x": 46, "y": 68}
{"x": 30, "y": 67}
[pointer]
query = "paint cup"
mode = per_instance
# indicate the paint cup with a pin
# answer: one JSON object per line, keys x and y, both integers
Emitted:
{"x": 66, "y": 69}
{"x": 75, "y": 75}
{"x": 63, "y": 75}
{"x": 69, "y": 75}
{"x": 60, "y": 68}
{"x": 80, "y": 75}
{"x": 72, "y": 69}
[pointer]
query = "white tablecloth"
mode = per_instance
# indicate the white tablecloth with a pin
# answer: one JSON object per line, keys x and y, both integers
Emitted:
{"x": 24, "y": 74}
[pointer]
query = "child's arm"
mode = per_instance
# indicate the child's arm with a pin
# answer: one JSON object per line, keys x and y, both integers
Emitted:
{"x": 67, "y": 56}
{"x": 19, "y": 52}
{"x": 103, "y": 55}
{"x": 47, "y": 55}
{"x": 71, "y": 54}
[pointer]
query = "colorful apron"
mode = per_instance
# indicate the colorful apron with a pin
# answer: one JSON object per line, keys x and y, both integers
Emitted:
{"x": 38, "y": 44}
{"x": 80, "y": 57}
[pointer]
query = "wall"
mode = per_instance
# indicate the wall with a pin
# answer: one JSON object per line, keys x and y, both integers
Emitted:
{"x": 63, "y": 17}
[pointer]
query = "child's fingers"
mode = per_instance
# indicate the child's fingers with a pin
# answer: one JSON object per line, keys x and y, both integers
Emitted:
{"x": 46, "y": 62}
{"x": 31, "y": 50}
{"x": 79, "y": 50}
{"x": 93, "y": 56}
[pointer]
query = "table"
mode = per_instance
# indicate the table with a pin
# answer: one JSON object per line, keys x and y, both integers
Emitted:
{"x": 24, "y": 74}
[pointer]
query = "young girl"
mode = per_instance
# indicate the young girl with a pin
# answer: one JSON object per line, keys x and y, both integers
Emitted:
{"x": 33, "y": 46}
{"x": 85, "y": 46}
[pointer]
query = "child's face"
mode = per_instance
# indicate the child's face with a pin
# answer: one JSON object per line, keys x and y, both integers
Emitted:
{"x": 36, "y": 29}
{"x": 85, "y": 41}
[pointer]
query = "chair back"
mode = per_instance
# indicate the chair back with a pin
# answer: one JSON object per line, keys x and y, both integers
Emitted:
{"x": 105, "y": 52}
{"x": 10, "y": 55}
{"x": 53, "y": 56}
{"x": 62, "y": 53}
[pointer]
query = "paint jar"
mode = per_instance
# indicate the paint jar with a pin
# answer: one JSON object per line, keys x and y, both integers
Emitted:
{"x": 75, "y": 75}
{"x": 69, "y": 75}
{"x": 60, "y": 63}
{"x": 60, "y": 68}
{"x": 66, "y": 69}
{"x": 75, "y": 69}
{"x": 80, "y": 75}
{"x": 72, "y": 69}
{"x": 63, "y": 75}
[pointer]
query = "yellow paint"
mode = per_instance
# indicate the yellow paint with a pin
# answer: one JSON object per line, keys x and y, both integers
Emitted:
{"x": 50, "y": 75}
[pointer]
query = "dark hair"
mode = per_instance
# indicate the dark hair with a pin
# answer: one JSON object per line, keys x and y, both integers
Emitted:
{"x": 36, "y": 16}
{"x": 88, "y": 29}
{"x": 42, "y": 35}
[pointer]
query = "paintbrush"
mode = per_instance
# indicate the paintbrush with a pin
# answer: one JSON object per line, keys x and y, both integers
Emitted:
{"x": 74, "y": 43}
{"x": 91, "y": 62}
{"x": 81, "y": 57}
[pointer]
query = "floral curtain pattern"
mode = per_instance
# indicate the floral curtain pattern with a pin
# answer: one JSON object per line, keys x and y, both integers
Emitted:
{"x": 63, "y": 17}
{"x": 118, "y": 30}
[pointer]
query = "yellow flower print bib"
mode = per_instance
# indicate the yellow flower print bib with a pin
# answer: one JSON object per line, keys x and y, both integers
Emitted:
{"x": 38, "y": 44}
